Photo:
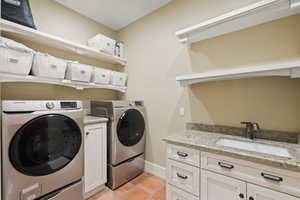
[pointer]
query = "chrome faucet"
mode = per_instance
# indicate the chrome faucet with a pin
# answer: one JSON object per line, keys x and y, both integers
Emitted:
{"x": 252, "y": 129}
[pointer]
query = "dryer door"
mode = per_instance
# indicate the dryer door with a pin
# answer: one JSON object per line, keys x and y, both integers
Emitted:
{"x": 45, "y": 145}
{"x": 131, "y": 127}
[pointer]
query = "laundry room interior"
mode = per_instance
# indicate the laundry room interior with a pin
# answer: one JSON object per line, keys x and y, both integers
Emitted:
{"x": 150, "y": 100}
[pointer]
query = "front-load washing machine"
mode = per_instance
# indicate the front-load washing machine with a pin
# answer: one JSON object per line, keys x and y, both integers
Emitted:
{"x": 126, "y": 139}
{"x": 42, "y": 151}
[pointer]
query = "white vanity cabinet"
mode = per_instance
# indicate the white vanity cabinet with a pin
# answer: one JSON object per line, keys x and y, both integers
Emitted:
{"x": 215, "y": 187}
{"x": 255, "y": 192}
{"x": 95, "y": 170}
{"x": 215, "y": 177}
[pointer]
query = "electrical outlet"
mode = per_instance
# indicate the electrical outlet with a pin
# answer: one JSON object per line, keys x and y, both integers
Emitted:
{"x": 181, "y": 111}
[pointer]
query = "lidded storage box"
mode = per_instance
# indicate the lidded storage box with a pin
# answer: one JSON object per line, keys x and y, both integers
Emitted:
{"x": 102, "y": 43}
{"x": 79, "y": 72}
{"x": 15, "y": 58}
{"x": 119, "y": 79}
{"x": 101, "y": 76}
{"x": 45, "y": 65}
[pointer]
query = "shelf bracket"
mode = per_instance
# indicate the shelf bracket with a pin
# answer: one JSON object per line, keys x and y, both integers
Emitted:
{"x": 295, "y": 73}
{"x": 80, "y": 52}
{"x": 295, "y": 4}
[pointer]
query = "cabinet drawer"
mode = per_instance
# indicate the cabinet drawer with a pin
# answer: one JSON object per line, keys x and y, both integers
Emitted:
{"x": 270, "y": 177}
{"x": 261, "y": 193}
{"x": 183, "y": 154}
{"x": 183, "y": 176}
{"x": 174, "y": 193}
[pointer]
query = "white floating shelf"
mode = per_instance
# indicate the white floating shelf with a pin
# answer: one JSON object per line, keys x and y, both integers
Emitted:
{"x": 285, "y": 69}
{"x": 251, "y": 15}
{"x": 46, "y": 39}
{"x": 10, "y": 78}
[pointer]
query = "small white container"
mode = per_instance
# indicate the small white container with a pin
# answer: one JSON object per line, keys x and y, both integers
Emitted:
{"x": 15, "y": 58}
{"x": 101, "y": 76}
{"x": 79, "y": 72}
{"x": 102, "y": 43}
{"x": 119, "y": 79}
{"x": 48, "y": 66}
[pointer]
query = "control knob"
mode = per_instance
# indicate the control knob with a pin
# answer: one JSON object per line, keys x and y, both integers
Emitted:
{"x": 50, "y": 105}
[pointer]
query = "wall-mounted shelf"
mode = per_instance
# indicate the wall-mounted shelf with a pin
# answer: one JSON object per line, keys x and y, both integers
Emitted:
{"x": 12, "y": 78}
{"x": 251, "y": 15}
{"x": 46, "y": 39}
{"x": 284, "y": 68}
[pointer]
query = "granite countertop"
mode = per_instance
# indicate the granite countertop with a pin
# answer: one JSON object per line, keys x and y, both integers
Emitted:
{"x": 91, "y": 119}
{"x": 206, "y": 141}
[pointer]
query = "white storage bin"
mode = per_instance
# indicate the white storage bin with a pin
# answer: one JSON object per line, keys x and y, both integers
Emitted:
{"x": 102, "y": 43}
{"x": 79, "y": 72}
{"x": 101, "y": 76}
{"x": 119, "y": 79}
{"x": 45, "y": 65}
{"x": 15, "y": 58}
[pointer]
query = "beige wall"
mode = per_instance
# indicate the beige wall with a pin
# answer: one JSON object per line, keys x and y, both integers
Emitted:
{"x": 53, "y": 18}
{"x": 156, "y": 57}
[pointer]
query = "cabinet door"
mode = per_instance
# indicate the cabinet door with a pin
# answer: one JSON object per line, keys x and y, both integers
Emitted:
{"x": 216, "y": 187}
{"x": 260, "y": 193}
{"x": 95, "y": 156}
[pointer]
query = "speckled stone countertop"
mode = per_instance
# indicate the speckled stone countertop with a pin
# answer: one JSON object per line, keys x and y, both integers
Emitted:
{"x": 206, "y": 141}
{"x": 91, "y": 119}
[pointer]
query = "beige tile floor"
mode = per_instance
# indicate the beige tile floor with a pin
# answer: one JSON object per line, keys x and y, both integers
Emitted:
{"x": 144, "y": 187}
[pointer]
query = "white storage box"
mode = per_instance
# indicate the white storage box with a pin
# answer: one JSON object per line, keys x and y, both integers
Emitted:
{"x": 45, "y": 65}
{"x": 119, "y": 79}
{"x": 102, "y": 43}
{"x": 79, "y": 72}
{"x": 15, "y": 58}
{"x": 101, "y": 76}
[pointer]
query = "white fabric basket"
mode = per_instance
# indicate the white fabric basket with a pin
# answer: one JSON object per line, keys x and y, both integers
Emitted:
{"x": 119, "y": 79}
{"x": 102, "y": 43}
{"x": 101, "y": 76}
{"x": 15, "y": 58}
{"x": 79, "y": 72}
{"x": 45, "y": 65}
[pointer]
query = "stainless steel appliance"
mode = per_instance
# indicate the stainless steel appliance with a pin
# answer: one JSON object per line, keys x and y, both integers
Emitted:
{"x": 42, "y": 150}
{"x": 126, "y": 139}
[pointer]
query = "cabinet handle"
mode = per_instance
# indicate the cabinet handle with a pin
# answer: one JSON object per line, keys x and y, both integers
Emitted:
{"x": 13, "y": 60}
{"x": 272, "y": 177}
{"x": 181, "y": 176}
{"x": 241, "y": 195}
{"x": 181, "y": 154}
{"x": 251, "y": 198}
{"x": 87, "y": 133}
{"x": 225, "y": 165}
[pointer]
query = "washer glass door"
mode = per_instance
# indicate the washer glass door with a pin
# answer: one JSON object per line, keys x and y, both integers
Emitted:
{"x": 131, "y": 127}
{"x": 45, "y": 145}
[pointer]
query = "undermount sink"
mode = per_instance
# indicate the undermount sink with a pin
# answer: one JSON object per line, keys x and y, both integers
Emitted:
{"x": 256, "y": 147}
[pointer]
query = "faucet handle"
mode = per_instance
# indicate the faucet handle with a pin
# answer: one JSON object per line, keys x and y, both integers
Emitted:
{"x": 255, "y": 126}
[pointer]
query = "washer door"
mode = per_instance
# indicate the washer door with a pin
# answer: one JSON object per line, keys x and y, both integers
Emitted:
{"x": 45, "y": 145}
{"x": 131, "y": 127}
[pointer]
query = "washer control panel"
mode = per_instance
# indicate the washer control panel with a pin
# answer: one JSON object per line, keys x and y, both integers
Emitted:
{"x": 26, "y": 106}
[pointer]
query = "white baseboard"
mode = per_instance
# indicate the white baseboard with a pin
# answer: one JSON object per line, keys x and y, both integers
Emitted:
{"x": 155, "y": 169}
